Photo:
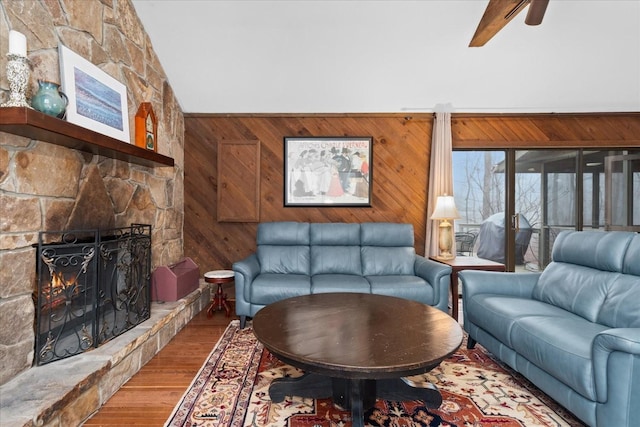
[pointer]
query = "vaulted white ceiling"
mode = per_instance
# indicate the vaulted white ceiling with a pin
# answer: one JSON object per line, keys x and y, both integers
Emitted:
{"x": 305, "y": 56}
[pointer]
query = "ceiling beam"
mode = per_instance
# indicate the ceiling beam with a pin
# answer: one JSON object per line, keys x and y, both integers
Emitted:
{"x": 497, "y": 14}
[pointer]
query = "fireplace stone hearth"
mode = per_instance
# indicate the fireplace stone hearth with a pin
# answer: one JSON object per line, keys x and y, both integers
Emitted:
{"x": 69, "y": 391}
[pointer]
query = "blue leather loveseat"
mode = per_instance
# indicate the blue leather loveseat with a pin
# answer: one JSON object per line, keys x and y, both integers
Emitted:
{"x": 295, "y": 258}
{"x": 574, "y": 329}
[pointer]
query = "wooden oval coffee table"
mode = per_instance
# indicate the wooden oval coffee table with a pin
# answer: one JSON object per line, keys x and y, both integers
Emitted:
{"x": 356, "y": 347}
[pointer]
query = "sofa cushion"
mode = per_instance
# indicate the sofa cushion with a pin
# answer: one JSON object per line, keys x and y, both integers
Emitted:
{"x": 577, "y": 289}
{"x": 322, "y": 283}
{"x": 284, "y": 233}
{"x": 631, "y": 263}
{"x": 283, "y": 259}
{"x": 585, "y": 265}
{"x": 621, "y": 307}
{"x": 380, "y": 261}
{"x": 269, "y": 288}
{"x": 334, "y": 234}
{"x": 498, "y": 314}
{"x": 283, "y": 247}
{"x": 560, "y": 346}
{"x": 387, "y": 248}
{"x": 386, "y": 234}
{"x": 335, "y": 259}
{"x": 595, "y": 249}
{"x": 402, "y": 286}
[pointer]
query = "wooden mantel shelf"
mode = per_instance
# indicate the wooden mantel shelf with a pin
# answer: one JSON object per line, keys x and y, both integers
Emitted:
{"x": 33, "y": 124}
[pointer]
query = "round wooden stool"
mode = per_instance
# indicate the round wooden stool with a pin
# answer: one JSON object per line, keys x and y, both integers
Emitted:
{"x": 219, "y": 300}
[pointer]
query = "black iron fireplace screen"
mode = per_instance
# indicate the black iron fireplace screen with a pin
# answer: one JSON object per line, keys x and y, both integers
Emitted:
{"x": 93, "y": 285}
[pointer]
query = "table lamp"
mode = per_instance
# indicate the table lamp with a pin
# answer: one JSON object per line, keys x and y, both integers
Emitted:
{"x": 445, "y": 210}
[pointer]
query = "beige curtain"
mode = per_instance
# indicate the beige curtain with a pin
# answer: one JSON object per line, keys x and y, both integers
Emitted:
{"x": 440, "y": 176}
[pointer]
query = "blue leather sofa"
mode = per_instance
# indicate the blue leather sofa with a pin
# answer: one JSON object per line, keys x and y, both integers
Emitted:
{"x": 572, "y": 330}
{"x": 294, "y": 258}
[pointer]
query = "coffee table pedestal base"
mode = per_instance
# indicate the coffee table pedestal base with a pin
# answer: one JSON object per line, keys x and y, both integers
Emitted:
{"x": 356, "y": 395}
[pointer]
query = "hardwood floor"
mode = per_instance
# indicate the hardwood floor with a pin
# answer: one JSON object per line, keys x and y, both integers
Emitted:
{"x": 148, "y": 398}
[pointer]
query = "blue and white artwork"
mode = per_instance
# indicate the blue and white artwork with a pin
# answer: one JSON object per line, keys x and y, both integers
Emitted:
{"x": 97, "y": 101}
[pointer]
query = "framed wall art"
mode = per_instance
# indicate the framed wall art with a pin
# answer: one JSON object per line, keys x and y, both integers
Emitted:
{"x": 97, "y": 101}
{"x": 328, "y": 171}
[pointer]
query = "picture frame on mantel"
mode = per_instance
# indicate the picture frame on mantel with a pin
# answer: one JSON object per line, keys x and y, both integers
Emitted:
{"x": 328, "y": 171}
{"x": 97, "y": 101}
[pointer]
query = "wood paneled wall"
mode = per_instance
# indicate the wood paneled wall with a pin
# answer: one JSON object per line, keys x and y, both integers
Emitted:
{"x": 401, "y": 147}
{"x": 401, "y": 155}
{"x": 477, "y": 131}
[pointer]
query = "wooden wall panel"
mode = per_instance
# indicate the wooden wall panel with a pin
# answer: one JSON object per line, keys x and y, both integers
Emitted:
{"x": 238, "y": 181}
{"x": 401, "y": 151}
{"x": 545, "y": 130}
{"x": 401, "y": 147}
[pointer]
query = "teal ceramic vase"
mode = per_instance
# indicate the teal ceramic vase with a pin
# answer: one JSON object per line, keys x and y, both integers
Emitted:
{"x": 49, "y": 99}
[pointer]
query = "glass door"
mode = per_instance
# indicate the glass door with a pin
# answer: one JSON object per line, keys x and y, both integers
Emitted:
{"x": 545, "y": 203}
{"x": 479, "y": 191}
{"x": 622, "y": 197}
{"x": 513, "y": 203}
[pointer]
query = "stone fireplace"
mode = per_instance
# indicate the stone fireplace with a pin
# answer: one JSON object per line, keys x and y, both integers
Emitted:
{"x": 80, "y": 195}
{"x": 44, "y": 186}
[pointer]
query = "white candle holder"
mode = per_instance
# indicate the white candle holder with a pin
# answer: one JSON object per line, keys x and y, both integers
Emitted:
{"x": 18, "y": 76}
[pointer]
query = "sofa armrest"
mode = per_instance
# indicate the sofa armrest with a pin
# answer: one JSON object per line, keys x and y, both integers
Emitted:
{"x": 623, "y": 372}
{"x": 248, "y": 267}
{"x": 246, "y": 271}
{"x": 499, "y": 283}
{"x": 439, "y": 277}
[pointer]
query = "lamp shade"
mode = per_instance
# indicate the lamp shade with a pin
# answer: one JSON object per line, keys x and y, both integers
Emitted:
{"x": 445, "y": 208}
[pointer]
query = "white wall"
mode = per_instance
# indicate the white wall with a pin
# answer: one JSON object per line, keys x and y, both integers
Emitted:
{"x": 306, "y": 56}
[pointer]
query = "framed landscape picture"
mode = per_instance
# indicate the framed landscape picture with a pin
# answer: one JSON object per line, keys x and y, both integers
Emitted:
{"x": 97, "y": 101}
{"x": 328, "y": 171}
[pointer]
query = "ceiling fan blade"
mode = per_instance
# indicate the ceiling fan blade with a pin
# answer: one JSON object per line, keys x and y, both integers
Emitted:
{"x": 536, "y": 12}
{"x": 497, "y": 14}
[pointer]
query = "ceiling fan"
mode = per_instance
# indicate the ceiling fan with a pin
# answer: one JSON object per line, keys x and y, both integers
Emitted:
{"x": 498, "y": 14}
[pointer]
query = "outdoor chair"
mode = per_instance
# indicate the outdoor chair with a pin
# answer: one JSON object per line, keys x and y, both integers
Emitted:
{"x": 465, "y": 242}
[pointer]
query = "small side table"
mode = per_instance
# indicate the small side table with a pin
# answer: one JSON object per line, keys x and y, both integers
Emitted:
{"x": 460, "y": 263}
{"x": 219, "y": 300}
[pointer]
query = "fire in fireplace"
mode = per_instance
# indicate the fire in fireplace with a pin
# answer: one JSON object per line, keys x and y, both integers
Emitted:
{"x": 93, "y": 285}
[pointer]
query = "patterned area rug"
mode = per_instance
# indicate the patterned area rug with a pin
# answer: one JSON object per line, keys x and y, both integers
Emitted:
{"x": 231, "y": 389}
